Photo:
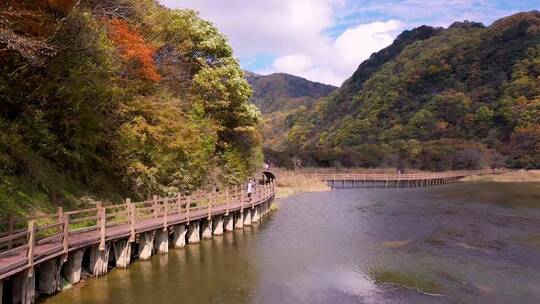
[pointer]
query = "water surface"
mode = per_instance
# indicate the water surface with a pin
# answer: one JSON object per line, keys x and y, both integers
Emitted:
{"x": 459, "y": 243}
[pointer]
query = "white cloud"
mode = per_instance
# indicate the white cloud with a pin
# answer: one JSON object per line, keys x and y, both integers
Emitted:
{"x": 334, "y": 61}
{"x": 299, "y": 33}
{"x": 292, "y": 31}
{"x": 293, "y": 63}
{"x": 358, "y": 43}
{"x": 267, "y": 26}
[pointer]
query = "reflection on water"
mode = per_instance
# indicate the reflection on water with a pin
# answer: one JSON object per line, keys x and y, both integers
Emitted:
{"x": 460, "y": 243}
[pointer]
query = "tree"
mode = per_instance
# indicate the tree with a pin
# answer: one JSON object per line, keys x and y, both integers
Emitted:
{"x": 133, "y": 47}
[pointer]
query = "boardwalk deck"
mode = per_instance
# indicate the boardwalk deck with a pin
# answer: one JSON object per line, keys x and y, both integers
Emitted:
{"x": 20, "y": 250}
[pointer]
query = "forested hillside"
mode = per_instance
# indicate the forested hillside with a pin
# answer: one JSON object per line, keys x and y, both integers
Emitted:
{"x": 281, "y": 96}
{"x": 111, "y": 98}
{"x": 458, "y": 98}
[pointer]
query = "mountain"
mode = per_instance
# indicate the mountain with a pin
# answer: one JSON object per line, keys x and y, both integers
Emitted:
{"x": 281, "y": 96}
{"x": 463, "y": 97}
{"x": 276, "y": 91}
{"x": 377, "y": 60}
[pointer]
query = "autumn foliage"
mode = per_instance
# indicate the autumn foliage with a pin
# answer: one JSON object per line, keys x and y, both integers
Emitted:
{"x": 133, "y": 47}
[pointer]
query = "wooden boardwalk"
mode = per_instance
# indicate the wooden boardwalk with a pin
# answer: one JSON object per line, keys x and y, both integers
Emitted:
{"x": 370, "y": 180}
{"x": 26, "y": 243}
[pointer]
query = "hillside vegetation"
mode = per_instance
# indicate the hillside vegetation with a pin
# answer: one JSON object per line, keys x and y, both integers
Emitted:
{"x": 280, "y": 97}
{"x": 115, "y": 98}
{"x": 458, "y": 98}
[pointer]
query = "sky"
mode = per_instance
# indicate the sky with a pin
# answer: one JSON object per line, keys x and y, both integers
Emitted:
{"x": 326, "y": 40}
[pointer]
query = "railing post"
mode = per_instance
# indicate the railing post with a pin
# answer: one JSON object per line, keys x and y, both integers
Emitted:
{"x": 154, "y": 205}
{"x": 210, "y": 205}
{"x": 31, "y": 242}
{"x": 60, "y": 214}
{"x": 254, "y": 193}
{"x": 165, "y": 211}
{"x": 65, "y": 233}
{"x": 131, "y": 214}
{"x": 179, "y": 203}
{"x": 102, "y": 222}
{"x": 11, "y": 228}
{"x": 241, "y": 199}
{"x": 188, "y": 206}
{"x": 227, "y": 201}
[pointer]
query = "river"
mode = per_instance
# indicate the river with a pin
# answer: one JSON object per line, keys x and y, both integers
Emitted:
{"x": 458, "y": 243}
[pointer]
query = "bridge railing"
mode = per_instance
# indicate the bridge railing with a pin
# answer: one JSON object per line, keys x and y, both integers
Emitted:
{"x": 52, "y": 233}
{"x": 393, "y": 176}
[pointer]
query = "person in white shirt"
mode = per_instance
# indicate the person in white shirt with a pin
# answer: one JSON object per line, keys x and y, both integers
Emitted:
{"x": 249, "y": 188}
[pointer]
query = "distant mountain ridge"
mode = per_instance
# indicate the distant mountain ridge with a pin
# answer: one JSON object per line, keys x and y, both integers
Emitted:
{"x": 436, "y": 99}
{"x": 280, "y": 96}
{"x": 270, "y": 91}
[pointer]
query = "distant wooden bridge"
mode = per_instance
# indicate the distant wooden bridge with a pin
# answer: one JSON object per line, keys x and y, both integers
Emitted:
{"x": 35, "y": 252}
{"x": 370, "y": 180}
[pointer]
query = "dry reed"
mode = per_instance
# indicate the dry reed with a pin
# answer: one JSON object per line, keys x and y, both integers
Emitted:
{"x": 295, "y": 182}
{"x": 510, "y": 176}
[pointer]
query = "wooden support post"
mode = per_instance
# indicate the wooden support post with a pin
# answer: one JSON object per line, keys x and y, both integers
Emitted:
{"x": 247, "y": 217}
{"x": 179, "y": 236}
{"x": 217, "y": 225}
{"x": 99, "y": 260}
{"x": 193, "y": 235}
{"x": 49, "y": 276}
{"x": 146, "y": 245}
{"x": 122, "y": 253}
{"x": 239, "y": 220}
{"x": 23, "y": 287}
{"x": 161, "y": 240}
{"x": 72, "y": 269}
{"x": 228, "y": 222}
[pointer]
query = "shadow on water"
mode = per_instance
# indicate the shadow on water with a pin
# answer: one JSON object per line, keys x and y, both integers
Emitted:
{"x": 460, "y": 243}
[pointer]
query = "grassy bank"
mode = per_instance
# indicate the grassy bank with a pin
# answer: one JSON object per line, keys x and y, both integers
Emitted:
{"x": 295, "y": 182}
{"x": 511, "y": 176}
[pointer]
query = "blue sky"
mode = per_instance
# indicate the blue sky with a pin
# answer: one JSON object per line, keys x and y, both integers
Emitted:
{"x": 325, "y": 40}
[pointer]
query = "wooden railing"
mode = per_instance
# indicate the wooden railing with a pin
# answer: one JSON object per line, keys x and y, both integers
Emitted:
{"x": 394, "y": 176}
{"x": 26, "y": 241}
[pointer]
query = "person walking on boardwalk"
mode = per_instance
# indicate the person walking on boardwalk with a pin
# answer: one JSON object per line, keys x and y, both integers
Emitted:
{"x": 249, "y": 188}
